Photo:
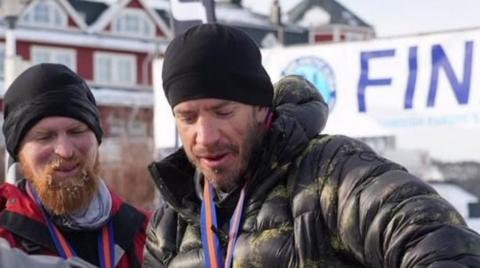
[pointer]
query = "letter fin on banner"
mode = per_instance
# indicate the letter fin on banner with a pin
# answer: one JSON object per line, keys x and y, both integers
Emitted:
{"x": 440, "y": 61}
{"x": 365, "y": 81}
{"x": 187, "y": 13}
{"x": 412, "y": 77}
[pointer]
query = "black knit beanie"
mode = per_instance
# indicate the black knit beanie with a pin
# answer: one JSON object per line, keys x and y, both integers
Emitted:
{"x": 46, "y": 90}
{"x": 215, "y": 61}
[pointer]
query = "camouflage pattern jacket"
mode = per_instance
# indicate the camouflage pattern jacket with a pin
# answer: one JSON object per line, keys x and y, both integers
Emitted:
{"x": 314, "y": 201}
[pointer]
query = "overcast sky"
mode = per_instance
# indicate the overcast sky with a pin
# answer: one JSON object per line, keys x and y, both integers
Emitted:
{"x": 399, "y": 17}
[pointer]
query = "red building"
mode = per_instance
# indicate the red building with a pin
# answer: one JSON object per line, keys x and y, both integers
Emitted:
{"x": 111, "y": 46}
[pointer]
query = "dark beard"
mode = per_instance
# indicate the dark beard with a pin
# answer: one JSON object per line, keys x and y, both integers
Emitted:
{"x": 63, "y": 198}
{"x": 252, "y": 148}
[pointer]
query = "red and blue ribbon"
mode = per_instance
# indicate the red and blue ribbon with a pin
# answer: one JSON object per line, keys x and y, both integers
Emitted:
{"x": 106, "y": 240}
{"x": 208, "y": 225}
{"x": 106, "y": 246}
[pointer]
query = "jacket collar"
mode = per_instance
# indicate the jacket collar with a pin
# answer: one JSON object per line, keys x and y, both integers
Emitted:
{"x": 27, "y": 223}
{"x": 173, "y": 177}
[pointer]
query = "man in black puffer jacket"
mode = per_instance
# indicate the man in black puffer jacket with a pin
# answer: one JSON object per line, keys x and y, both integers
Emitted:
{"x": 256, "y": 185}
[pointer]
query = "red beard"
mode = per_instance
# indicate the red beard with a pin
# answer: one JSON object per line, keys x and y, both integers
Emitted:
{"x": 67, "y": 195}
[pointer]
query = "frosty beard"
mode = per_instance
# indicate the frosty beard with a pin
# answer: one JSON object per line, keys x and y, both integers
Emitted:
{"x": 67, "y": 195}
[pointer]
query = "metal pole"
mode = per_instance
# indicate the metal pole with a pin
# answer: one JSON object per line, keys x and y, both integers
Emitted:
{"x": 276, "y": 19}
{"x": 10, "y": 52}
{"x": 11, "y": 170}
{"x": 11, "y": 10}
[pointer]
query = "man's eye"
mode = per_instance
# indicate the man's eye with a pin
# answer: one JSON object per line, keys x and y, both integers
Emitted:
{"x": 224, "y": 112}
{"x": 42, "y": 137}
{"x": 187, "y": 119}
{"x": 77, "y": 131}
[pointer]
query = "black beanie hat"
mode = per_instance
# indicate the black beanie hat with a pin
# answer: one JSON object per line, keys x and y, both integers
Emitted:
{"x": 215, "y": 61}
{"x": 46, "y": 90}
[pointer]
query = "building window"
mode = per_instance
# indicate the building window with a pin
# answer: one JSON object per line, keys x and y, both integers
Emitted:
{"x": 63, "y": 56}
{"x": 115, "y": 69}
{"x": 133, "y": 22}
{"x": 44, "y": 13}
{"x": 137, "y": 128}
{"x": 474, "y": 210}
{"x": 353, "y": 36}
{"x": 116, "y": 126}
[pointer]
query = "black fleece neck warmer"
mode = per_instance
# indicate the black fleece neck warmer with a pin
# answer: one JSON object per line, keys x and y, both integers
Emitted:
{"x": 46, "y": 90}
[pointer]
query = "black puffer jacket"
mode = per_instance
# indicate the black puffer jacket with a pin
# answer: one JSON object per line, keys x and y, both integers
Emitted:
{"x": 315, "y": 201}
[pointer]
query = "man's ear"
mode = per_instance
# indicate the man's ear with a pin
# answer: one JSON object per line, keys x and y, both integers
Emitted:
{"x": 262, "y": 113}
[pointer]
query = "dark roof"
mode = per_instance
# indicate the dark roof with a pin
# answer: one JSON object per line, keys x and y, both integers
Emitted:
{"x": 258, "y": 30}
{"x": 165, "y": 16}
{"x": 338, "y": 13}
{"x": 261, "y": 26}
{"x": 88, "y": 10}
{"x": 291, "y": 36}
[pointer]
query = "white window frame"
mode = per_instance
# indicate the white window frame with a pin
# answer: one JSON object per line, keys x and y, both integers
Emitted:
{"x": 29, "y": 16}
{"x": 115, "y": 77}
{"x": 53, "y": 53}
{"x": 354, "y": 36}
{"x": 119, "y": 24}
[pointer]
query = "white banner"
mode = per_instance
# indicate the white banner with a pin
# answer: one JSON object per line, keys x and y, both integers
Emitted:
{"x": 424, "y": 90}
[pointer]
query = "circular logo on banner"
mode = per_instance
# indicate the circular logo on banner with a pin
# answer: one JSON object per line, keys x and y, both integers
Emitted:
{"x": 317, "y": 72}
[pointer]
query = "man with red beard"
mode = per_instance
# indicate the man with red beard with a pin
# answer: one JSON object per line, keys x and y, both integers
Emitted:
{"x": 256, "y": 185}
{"x": 62, "y": 207}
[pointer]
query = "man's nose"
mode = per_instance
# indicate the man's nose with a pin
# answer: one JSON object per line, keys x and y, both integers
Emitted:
{"x": 207, "y": 132}
{"x": 64, "y": 147}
